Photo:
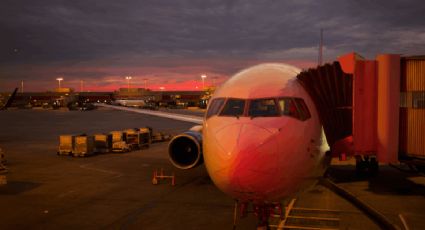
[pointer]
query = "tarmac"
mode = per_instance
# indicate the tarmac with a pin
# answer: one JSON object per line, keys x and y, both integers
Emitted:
{"x": 115, "y": 191}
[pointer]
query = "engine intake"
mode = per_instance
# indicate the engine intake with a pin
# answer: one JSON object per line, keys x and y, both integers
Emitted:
{"x": 185, "y": 150}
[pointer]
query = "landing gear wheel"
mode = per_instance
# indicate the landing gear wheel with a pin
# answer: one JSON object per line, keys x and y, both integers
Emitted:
{"x": 366, "y": 165}
{"x": 361, "y": 165}
{"x": 373, "y": 166}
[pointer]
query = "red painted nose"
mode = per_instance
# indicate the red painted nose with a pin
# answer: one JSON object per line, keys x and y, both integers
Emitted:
{"x": 252, "y": 151}
{"x": 245, "y": 137}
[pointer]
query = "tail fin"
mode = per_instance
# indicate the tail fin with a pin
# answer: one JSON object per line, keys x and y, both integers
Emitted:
{"x": 10, "y": 100}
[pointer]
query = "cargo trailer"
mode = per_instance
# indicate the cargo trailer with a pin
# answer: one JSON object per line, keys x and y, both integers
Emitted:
{"x": 66, "y": 144}
{"x": 102, "y": 143}
{"x": 145, "y": 137}
{"x": 119, "y": 143}
{"x": 132, "y": 137}
{"x": 84, "y": 146}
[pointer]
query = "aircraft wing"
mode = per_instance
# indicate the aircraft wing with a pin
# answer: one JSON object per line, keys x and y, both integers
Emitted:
{"x": 10, "y": 100}
{"x": 179, "y": 117}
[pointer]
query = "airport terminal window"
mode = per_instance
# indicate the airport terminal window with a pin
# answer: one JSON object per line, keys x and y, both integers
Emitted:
{"x": 263, "y": 108}
{"x": 215, "y": 107}
{"x": 418, "y": 99}
{"x": 233, "y": 107}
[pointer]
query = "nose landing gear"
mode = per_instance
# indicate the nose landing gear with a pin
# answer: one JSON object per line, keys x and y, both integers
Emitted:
{"x": 264, "y": 212}
{"x": 366, "y": 164}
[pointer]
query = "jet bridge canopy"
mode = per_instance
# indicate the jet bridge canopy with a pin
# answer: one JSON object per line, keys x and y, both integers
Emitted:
{"x": 331, "y": 90}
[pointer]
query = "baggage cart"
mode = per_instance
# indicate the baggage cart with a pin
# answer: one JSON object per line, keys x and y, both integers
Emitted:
{"x": 145, "y": 137}
{"x": 132, "y": 138}
{"x": 84, "y": 146}
{"x": 102, "y": 143}
{"x": 119, "y": 143}
{"x": 66, "y": 144}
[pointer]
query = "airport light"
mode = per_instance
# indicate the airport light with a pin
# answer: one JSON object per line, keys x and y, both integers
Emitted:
{"x": 59, "y": 79}
{"x": 203, "y": 76}
{"x": 162, "y": 88}
{"x": 128, "y": 82}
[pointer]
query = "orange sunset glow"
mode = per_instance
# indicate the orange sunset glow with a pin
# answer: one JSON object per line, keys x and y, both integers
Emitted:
{"x": 173, "y": 75}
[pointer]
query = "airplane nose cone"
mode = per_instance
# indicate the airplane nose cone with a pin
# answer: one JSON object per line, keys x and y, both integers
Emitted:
{"x": 244, "y": 157}
{"x": 245, "y": 138}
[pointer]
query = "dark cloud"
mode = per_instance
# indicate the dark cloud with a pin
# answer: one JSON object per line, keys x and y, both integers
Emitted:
{"x": 135, "y": 32}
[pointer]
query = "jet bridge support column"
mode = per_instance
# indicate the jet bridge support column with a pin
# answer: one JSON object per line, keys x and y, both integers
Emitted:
{"x": 388, "y": 107}
{"x": 376, "y": 95}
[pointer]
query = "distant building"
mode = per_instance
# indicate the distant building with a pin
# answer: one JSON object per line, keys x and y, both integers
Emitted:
{"x": 101, "y": 97}
{"x": 64, "y": 90}
{"x": 132, "y": 93}
{"x": 62, "y": 96}
{"x": 186, "y": 98}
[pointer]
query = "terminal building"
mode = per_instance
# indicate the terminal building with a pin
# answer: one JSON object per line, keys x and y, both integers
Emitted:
{"x": 186, "y": 98}
{"x": 62, "y": 96}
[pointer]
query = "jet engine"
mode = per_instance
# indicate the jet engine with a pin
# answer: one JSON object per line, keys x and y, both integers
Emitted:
{"x": 185, "y": 150}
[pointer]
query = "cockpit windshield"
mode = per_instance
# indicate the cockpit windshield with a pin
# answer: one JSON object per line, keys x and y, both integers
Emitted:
{"x": 215, "y": 106}
{"x": 233, "y": 107}
{"x": 263, "y": 108}
{"x": 294, "y": 107}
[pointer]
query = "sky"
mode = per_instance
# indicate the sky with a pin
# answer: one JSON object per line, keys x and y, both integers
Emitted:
{"x": 171, "y": 43}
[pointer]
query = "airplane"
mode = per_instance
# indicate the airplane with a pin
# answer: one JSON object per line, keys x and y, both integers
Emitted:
{"x": 131, "y": 102}
{"x": 261, "y": 139}
{"x": 10, "y": 100}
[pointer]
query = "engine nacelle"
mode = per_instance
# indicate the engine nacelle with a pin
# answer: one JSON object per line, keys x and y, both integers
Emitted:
{"x": 185, "y": 150}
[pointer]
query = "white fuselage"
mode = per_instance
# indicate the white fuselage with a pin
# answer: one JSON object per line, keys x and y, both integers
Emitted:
{"x": 263, "y": 158}
{"x": 131, "y": 102}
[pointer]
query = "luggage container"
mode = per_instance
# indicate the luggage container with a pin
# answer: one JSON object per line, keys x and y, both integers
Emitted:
{"x": 132, "y": 138}
{"x": 84, "y": 146}
{"x": 66, "y": 144}
{"x": 161, "y": 137}
{"x": 119, "y": 143}
{"x": 145, "y": 137}
{"x": 157, "y": 137}
{"x": 102, "y": 143}
{"x": 3, "y": 179}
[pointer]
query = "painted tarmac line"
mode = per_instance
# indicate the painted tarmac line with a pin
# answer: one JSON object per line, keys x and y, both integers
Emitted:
{"x": 374, "y": 214}
{"x": 110, "y": 172}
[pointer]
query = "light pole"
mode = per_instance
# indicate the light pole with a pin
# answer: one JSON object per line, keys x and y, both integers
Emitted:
{"x": 203, "y": 76}
{"x": 22, "y": 86}
{"x": 81, "y": 85}
{"x": 59, "y": 79}
{"x": 128, "y": 82}
{"x": 145, "y": 80}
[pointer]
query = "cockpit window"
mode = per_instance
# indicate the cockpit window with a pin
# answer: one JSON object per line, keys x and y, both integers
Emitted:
{"x": 215, "y": 106}
{"x": 233, "y": 107}
{"x": 294, "y": 107}
{"x": 288, "y": 107}
{"x": 263, "y": 108}
{"x": 302, "y": 107}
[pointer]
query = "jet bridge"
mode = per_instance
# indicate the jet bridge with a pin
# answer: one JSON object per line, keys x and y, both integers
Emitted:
{"x": 371, "y": 108}
{"x": 331, "y": 90}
